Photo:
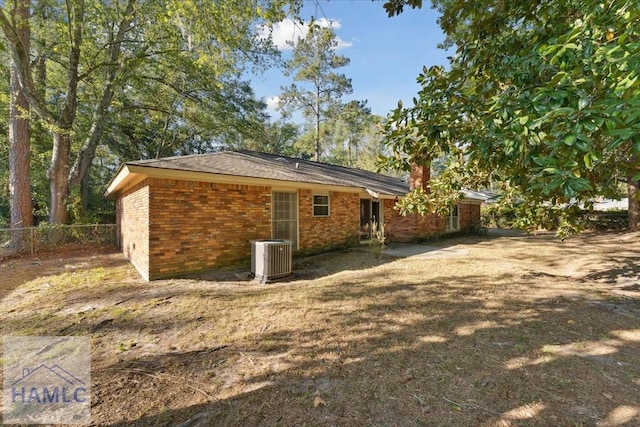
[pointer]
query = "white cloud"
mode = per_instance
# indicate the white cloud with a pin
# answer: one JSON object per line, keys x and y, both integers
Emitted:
{"x": 273, "y": 102}
{"x": 286, "y": 33}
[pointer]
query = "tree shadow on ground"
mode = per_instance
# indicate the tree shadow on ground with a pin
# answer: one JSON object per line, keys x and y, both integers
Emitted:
{"x": 409, "y": 352}
{"x": 623, "y": 273}
{"x": 404, "y": 342}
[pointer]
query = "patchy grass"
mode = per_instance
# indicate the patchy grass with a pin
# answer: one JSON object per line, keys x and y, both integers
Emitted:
{"x": 522, "y": 331}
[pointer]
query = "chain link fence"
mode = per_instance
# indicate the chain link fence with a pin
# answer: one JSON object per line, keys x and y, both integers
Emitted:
{"x": 31, "y": 240}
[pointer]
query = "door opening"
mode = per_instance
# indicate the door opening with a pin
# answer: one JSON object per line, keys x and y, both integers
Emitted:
{"x": 369, "y": 213}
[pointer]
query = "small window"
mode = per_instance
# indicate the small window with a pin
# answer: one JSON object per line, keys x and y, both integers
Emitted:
{"x": 453, "y": 219}
{"x": 320, "y": 205}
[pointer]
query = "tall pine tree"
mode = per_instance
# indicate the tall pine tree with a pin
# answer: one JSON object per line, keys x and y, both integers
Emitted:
{"x": 317, "y": 89}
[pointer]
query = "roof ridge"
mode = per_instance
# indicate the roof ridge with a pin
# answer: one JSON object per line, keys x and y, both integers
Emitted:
{"x": 314, "y": 163}
{"x": 162, "y": 159}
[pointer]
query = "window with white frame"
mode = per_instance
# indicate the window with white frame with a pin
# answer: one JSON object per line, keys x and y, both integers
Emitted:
{"x": 453, "y": 220}
{"x": 320, "y": 205}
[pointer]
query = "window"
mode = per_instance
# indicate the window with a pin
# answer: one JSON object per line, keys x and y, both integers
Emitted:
{"x": 284, "y": 221}
{"x": 453, "y": 223}
{"x": 320, "y": 205}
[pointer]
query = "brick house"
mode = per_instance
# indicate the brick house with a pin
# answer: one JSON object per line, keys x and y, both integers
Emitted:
{"x": 181, "y": 215}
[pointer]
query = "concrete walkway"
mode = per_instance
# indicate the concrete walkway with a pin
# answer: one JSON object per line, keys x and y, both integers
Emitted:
{"x": 405, "y": 250}
{"x": 423, "y": 251}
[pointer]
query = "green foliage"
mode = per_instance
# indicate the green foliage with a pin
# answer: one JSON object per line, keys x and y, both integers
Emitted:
{"x": 498, "y": 216}
{"x": 317, "y": 88}
{"x": 350, "y": 123}
{"x": 541, "y": 100}
{"x": 352, "y": 138}
{"x": 504, "y": 216}
{"x": 222, "y": 116}
{"x": 275, "y": 138}
{"x": 154, "y": 78}
{"x": 396, "y": 7}
{"x": 4, "y": 139}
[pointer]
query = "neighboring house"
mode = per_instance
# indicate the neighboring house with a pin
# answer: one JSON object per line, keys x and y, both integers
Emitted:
{"x": 186, "y": 214}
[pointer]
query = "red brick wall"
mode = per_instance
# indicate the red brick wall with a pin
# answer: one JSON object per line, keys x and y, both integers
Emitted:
{"x": 341, "y": 227}
{"x": 400, "y": 228}
{"x": 132, "y": 213}
{"x": 469, "y": 216}
{"x": 172, "y": 227}
{"x": 196, "y": 226}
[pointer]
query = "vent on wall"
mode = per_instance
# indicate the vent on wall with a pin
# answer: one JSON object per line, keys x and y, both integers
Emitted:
{"x": 270, "y": 259}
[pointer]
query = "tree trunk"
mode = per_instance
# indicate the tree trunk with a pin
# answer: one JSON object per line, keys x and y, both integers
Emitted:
{"x": 79, "y": 175}
{"x": 317, "y": 129}
{"x": 58, "y": 175}
{"x": 85, "y": 187}
{"x": 634, "y": 204}
{"x": 58, "y": 172}
{"x": 19, "y": 170}
{"x": 316, "y": 156}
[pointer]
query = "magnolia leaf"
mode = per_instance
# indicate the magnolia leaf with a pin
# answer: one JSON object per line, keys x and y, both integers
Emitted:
{"x": 588, "y": 161}
{"x": 583, "y": 103}
{"x": 570, "y": 139}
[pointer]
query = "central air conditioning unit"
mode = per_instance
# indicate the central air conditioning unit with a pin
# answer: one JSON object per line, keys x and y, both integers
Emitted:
{"x": 270, "y": 259}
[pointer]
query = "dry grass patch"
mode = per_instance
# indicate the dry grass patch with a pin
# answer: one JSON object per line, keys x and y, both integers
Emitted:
{"x": 522, "y": 331}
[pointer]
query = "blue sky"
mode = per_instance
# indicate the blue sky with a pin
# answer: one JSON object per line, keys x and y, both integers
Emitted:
{"x": 387, "y": 54}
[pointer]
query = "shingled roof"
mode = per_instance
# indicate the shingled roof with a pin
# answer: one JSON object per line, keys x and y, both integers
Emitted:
{"x": 275, "y": 167}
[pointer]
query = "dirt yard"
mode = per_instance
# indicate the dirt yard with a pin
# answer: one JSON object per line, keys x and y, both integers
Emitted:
{"x": 520, "y": 331}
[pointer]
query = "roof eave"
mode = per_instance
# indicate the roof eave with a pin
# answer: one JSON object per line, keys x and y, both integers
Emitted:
{"x": 129, "y": 175}
{"x": 471, "y": 200}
